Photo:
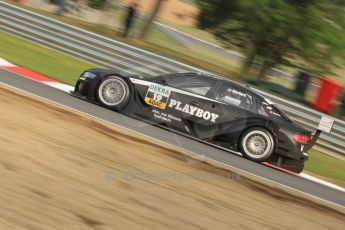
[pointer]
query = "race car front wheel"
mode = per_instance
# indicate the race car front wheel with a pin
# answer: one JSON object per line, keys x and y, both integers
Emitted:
{"x": 113, "y": 92}
{"x": 257, "y": 144}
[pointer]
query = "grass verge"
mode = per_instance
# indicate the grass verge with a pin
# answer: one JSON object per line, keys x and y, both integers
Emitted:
{"x": 42, "y": 60}
{"x": 66, "y": 69}
{"x": 327, "y": 167}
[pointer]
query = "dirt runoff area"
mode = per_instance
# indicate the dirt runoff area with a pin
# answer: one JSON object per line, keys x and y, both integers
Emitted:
{"x": 63, "y": 170}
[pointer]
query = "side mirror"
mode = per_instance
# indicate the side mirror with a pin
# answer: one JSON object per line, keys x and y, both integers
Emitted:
{"x": 162, "y": 82}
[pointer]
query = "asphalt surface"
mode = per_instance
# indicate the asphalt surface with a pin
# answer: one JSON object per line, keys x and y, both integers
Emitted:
{"x": 294, "y": 182}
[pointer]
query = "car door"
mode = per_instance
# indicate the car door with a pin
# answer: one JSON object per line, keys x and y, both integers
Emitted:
{"x": 232, "y": 106}
{"x": 188, "y": 95}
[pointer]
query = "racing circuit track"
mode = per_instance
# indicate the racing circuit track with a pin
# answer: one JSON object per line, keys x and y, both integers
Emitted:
{"x": 293, "y": 182}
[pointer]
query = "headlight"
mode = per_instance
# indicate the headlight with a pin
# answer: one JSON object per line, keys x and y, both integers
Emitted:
{"x": 89, "y": 75}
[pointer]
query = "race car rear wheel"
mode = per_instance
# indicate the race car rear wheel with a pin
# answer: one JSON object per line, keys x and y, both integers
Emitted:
{"x": 113, "y": 92}
{"x": 257, "y": 144}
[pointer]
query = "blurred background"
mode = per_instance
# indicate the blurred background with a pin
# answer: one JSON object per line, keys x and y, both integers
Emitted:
{"x": 291, "y": 48}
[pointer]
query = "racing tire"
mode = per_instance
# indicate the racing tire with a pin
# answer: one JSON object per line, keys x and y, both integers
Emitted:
{"x": 257, "y": 144}
{"x": 113, "y": 92}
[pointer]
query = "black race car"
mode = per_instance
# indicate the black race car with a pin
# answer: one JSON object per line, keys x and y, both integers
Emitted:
{"x": 212, "y": 109}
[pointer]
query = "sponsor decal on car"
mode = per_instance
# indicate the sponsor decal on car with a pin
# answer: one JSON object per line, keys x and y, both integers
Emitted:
{"x": 235, "y": 92}
{"x": 192, "y": 110}
{"x": 157, "y": 96}
{"x": 164, "y": 116}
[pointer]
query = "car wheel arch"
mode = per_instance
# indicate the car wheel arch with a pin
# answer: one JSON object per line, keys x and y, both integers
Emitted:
{"x": 262, "y": 127}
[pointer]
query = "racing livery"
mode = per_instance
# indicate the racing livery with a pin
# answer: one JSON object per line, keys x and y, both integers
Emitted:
{"x": 212, "y": 109}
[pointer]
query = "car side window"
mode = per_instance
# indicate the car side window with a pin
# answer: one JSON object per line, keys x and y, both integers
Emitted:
{"x": 262, "y": 111}
{"x": 235, "y": 96}
{"x": 195, "y": 84}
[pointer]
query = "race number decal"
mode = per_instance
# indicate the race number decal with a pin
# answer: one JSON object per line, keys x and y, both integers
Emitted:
{"x": 157, "y": 96}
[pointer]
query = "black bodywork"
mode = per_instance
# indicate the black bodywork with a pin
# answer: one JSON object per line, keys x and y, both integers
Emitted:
{"x": 204, "y": 112}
